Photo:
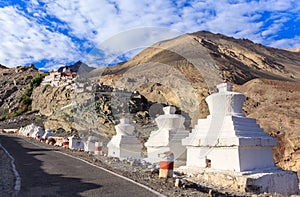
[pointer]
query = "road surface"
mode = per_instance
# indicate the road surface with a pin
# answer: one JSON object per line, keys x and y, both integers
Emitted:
{"x": 46, "y": 172}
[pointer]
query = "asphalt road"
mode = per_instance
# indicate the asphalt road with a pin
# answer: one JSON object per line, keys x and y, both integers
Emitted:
{"x": 45, "y": 172}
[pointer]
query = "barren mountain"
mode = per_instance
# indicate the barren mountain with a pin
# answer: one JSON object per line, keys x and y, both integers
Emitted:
{"x": 241, "y": 59}
{"x": 183, "y": 71}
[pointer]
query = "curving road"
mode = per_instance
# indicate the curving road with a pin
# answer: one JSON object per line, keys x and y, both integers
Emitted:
{"x": 46, "y": 172}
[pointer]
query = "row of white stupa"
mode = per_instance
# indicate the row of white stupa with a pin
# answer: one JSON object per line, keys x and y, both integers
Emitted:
{"x": 35, "y": 131}
{"x": 225, "y": 140}
{"x": 225, "y": 144}
{"x": 74, "y": 142}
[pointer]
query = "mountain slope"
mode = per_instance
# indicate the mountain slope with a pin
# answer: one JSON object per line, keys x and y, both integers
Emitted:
{"x": 242, "y": 59}
{"x": 276, "y": 106}
{"x": 190, "y": 66}
{"x": 2, "y": 67}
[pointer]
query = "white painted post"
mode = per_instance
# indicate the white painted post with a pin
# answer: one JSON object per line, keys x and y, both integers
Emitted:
{"x": 166, "y": 165}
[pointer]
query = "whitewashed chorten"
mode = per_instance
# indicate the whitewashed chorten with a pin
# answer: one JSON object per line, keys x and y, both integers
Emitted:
{"x": 47, "y": 134}
{"x": 168, "y": 137}
{"x": 124, "y": 144}
{"x": 38, "y": 132}
{"x": 229, "y": 149}
{"x": 226, "y": 139}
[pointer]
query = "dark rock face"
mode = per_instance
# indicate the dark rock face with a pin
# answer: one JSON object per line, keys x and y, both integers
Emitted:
{"x": 3, "y": 67}
{"x": 138, "y": 103}
{"x": 78, "y": 67}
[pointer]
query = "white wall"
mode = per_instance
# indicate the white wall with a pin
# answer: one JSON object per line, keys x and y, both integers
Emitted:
{"x": 255, "y": 158}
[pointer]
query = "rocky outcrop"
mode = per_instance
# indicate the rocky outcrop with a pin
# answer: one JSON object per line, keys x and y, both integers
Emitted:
{"x": 3, "y": 67}
{"x": 68, "y": 109}
{"x": 13, "y": 83}
{"x": 48, "y": 100}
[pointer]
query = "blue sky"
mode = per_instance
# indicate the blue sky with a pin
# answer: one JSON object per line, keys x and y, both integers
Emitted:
{"x": 50, "y": 33}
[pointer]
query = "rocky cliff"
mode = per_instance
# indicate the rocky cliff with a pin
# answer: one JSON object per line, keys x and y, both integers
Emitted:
{"x": 13, "y": 83}
{"x": 49, "y": 101}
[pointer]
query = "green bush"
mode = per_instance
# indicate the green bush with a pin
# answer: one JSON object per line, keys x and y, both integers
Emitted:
{"x": 36, "y": 81}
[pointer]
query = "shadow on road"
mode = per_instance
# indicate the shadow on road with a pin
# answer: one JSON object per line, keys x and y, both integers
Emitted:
{"x": 35, "y": 180}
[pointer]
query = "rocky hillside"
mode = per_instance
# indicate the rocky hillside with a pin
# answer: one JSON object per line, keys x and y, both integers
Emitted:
{"x": 13, "y": 83}
{"x": 276, "y": 106}
{"x": 70, "y": 109}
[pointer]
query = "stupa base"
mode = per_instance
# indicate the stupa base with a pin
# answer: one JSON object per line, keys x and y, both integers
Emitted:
{"x": 260, "y": 181}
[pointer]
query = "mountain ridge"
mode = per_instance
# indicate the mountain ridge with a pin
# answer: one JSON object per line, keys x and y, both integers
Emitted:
{"x": 241, "y": 58}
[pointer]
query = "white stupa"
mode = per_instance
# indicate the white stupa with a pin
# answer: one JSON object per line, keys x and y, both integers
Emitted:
{"x": 47, "y": 134}
{"x": 124, "y": 144}
{"x": 75, "y": 142}
{"x": 38, "y": 132}
{"x": 228, "y": 144}
{"x": 28, "y": 130}
{"x": 168, "y": 137}
{"x": 89, "y": 145}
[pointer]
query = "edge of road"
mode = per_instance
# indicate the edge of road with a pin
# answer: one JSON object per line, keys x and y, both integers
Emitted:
{"x": 18, "y": 178}
{"x": 17, "y": 186}
{"x": 116, "y": 174}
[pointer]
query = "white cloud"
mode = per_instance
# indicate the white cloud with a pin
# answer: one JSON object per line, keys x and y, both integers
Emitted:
{"x": 291, "y": 43}
{"x": 24, "y": 41}
{"x": 80, "y": 25}
{"x": 127, "y": 42}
